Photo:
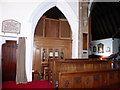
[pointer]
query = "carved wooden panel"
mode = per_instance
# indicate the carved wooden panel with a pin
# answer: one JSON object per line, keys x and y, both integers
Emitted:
{"x": 78, "y": 79}
{"x": 88, "y": 81}
{"x": 96, "y": 80}
{"x": 78, "y": 82}
{"x": 67, "y": 82}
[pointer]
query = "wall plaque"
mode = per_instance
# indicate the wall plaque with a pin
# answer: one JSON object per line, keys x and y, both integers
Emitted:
{"x": 11, "y": 26}
{"x": 100, "y": 48}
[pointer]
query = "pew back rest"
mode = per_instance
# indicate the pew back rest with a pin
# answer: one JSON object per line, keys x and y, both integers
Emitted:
{"x": 90, "y": 79}
{"x": 56, "y": 66}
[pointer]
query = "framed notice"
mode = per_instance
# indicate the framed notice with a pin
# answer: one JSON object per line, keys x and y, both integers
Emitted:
{"x": 11, "y": 26}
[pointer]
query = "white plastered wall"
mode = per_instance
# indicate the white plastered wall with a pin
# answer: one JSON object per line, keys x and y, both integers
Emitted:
{"x": 107, "y": 43}
{"x": 116, "y": 45}
{"x": 113, "y": 44}
{"x": 28, "y": 12}
{"x": 0, "y": 56}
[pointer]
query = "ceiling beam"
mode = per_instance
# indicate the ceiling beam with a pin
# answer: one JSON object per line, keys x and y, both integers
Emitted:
{"x": 113, "y": 22}
{"x": 108, "y": 25}
{"x": 106, "y": 33}
{"x": 99, "y": 26}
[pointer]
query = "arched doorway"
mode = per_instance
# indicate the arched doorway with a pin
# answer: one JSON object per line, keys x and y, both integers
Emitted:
{"x": 72, "y": 18}
{"x": 52, "y": 40}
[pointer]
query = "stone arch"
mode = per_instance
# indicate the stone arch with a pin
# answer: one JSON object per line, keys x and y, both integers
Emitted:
{"x": 68, "y": 13}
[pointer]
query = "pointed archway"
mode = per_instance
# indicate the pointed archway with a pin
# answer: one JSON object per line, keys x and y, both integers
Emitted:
{"x": 52, "y": 40}
{"x": 68, "y": 13}
{"x": 37, "y": 13}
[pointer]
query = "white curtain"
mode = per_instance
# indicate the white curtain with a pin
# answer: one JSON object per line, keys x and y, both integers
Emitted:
{"x": 20, "y": 70}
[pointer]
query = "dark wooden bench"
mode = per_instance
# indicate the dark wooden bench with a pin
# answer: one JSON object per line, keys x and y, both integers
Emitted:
{"x": 74, "y": 65}
{"x": 90, "y": 79}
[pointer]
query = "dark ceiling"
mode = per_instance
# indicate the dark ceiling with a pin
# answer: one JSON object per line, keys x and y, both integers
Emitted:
{"x": 105, "y": 20}
{"x": 54, "y": 13}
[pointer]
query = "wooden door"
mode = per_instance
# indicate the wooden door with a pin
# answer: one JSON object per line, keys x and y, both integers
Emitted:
{"x": 9, "y": 61}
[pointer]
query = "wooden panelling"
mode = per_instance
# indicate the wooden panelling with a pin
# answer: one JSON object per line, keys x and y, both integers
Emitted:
{"x": 48, "y": 45}
{"x": 113, "y": 77}
{"x": 64, "y": 27}
{"x": 52, "y": 40}
{"x": 78, "y": 82}
{"x": 54, "y": 44}
{"x": 89, "y": 79}
{"x": 104, "y": 79}
{"x": 74, "y": 66}
{"x": 96, "y": 80}
{"x": 37, "y": 60}
{"x": 54, "y": 49}
{"x": 51, "y": 28}
{"x": 40, "y": 28}
{"x": 67, "y": 82}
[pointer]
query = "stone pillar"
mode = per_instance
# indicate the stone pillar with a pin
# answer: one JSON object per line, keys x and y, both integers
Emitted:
{"x": 83, "y": 36}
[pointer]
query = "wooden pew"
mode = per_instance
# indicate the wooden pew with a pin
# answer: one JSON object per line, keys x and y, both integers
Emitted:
{"x": 90, "y": 79}
{"x": 74, "y": 65}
